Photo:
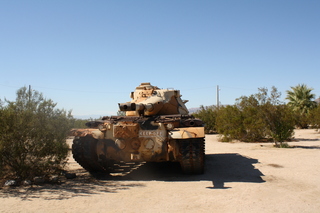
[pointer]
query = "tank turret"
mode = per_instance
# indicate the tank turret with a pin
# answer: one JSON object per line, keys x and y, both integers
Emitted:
{"x": 149, "y": 100}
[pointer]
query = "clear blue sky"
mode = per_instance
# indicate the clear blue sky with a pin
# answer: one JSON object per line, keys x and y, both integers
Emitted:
{"x": 88, "y": 56}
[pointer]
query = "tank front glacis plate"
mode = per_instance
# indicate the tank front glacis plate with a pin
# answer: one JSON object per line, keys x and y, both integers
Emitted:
{"x": 138, "y": 142}
{"x": 126, "y": 130}
{"x": 153, "y": 143}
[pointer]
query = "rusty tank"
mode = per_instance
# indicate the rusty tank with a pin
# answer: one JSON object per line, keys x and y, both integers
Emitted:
{"x": 156, "y": 127}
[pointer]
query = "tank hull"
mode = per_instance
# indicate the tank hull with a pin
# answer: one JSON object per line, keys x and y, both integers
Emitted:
{"x": 120, "y": 144}
{"x": 156, "y": 128}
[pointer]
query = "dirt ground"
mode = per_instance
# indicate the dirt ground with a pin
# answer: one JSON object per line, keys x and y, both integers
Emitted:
{"x": 239, "y": 177}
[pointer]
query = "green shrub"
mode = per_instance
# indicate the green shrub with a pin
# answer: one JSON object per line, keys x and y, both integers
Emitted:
{"x": 32, "y": 136}
{"x": 256, "y": 118}
{"x": 253, "y": 121}
{"x": 208, "y": 115}
{"x": 229, "y": 123}
{"x": 280, "y": 122}
{"x": 314, "y": 117}
{"x": 79, "y": 123}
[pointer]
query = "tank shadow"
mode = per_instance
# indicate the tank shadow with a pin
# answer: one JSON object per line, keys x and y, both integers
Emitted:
{"x": 83, "y": 186}
{"x": 220, "y": 168}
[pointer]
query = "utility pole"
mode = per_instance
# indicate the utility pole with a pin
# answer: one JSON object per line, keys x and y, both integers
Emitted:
{"x": 29, "y": 93}
{"x": 218, "y": 96}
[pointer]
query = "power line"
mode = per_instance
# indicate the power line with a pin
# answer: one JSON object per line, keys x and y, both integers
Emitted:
{"x": 65, "y": 90}
{"x": 238, "y": 88}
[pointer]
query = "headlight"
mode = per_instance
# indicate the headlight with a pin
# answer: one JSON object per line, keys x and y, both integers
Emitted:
{"x": 170, "y": 126}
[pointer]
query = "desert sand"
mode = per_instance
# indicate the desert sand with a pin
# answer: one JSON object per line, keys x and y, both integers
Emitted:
{"x": 239, "y": 177}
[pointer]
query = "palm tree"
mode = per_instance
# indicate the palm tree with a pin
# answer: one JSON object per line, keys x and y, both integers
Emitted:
{"x": 301, "y": 101}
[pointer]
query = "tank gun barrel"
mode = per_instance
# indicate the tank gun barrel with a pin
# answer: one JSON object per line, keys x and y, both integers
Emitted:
{"x": 130, "y": 106}
{"x": 150, "y": 106}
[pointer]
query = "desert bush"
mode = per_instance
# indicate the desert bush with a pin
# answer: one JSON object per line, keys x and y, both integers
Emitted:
{"x": 314, "y": 117}
{"x": 208, "y": 115}
{"x": 280, "y": 122}
{"x": 257, "y": 117}
{"x": 302, "y": 120}
{"x": 253, "y": 121}
{"x": 229, "y": 123}
{"x": 32, "y": 136}
{"x": 79, "y": 123}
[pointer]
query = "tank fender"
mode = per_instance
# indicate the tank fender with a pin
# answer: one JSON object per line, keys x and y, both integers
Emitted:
{"x": 189, "y": 132}
{"x": 96, "y": 133}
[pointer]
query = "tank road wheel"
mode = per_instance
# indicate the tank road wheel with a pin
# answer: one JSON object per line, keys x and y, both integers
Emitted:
{"x": 84, "y": 152}
{"x": 192, "y": 155}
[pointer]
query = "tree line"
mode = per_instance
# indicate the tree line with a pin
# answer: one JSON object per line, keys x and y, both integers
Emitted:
{"x": 262, "y": 116}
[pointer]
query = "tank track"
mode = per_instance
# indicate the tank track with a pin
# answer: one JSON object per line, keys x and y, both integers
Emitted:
{"x": 121, "y": 168}
{"x": 83, "y": 150}
{"x": 192, "y": 155}
{"x": 84, "y": 153}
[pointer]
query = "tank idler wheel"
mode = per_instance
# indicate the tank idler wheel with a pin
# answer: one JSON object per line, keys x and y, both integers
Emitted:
{"x": 192, "y": 155}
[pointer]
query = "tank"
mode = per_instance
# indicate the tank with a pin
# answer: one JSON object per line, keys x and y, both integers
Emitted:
{"x": 156, "y": 127}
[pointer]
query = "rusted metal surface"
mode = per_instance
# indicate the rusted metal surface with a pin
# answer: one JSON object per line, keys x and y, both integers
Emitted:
{"x": 81, "y": 132}
{"x": 183, "y": 133}
{"x": 149, "y": 100}
{"x": 157, "y": 127}
{"x": 95, "y": 133}
{"x": 126, "y": 130}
